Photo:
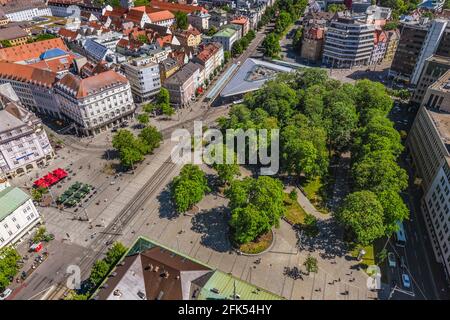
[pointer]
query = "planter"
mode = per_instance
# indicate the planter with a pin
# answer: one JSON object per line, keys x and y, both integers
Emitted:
{"x": 268, "y": 248}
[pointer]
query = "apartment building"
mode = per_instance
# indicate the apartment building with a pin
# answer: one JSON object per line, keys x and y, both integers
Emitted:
{"x": 429, "y": 145}
{"x": 32, "y": 85}
{"x": 393, "y": 37}
{"x": 182, "y": 84}
{"x": 144, "y": 77}
{"x": 412, "y": 37}
{"x": 199, "y": 20}
{"x": 18, "y": 215}
{"x": 226, "y": 37}
{"x": 429, "y": 47}
{"x": 24, "y": 10}
{"x": 312, "y": 43}
{"x": 434, "y": 67}
{"x": 95, "y": 103}
{"x": 24, "y": 145}
{"x": 210, "y": 57}
{"x": 349, "y": 42}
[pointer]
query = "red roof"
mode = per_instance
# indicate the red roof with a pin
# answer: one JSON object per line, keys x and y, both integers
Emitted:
{"x": 173, "y": 7}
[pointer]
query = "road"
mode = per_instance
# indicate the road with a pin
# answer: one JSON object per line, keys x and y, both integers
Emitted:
{"x": 426, "y": 275}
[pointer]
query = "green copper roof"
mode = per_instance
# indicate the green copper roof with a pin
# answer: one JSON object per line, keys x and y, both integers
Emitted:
{"x": 10, "y": 199}
{"x": 226, "y": 32}
{"x": 225, "y": 285}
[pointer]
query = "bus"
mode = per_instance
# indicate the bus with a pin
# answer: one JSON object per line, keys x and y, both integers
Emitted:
{"x": 400, "y": 235}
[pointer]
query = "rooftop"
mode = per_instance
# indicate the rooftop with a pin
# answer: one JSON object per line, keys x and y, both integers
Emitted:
{"x": 10, "y": 199}
{"x": 151, "y": 271}
{"x": 226, "y": 32}
{"x": 31, "y": 51}
{"x": 11, "y": 33}
{"x": 251, "y": 76}
{"x": 81, "y": 88}
{"x": 442, "y": 122}
{"x": 26, "y": 73}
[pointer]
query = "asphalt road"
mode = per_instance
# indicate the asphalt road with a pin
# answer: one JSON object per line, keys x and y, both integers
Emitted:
{"x": 427, "y": 276}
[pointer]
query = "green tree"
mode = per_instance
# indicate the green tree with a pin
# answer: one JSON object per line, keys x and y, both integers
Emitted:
{"x": 189, "y": 187}
{"x": 114, "y": 254}
{"x": 181, "y": 20}
{"x": 129, "y": 156}
{"x": 39, "y": 235}
{"x": 362, "y": 215}
{"x": 293, "y": 195}
{"x": 344, "y": 121}
{"x": 394, "y": 208}
{"x": 211, "y": 31}
{"x": 163, "y": 96}
{"x": 377, "y": 172}
{"x": 143, "y": 119}
{"x": 271, "y": 45}
{"x": 311, "y": 264}
{"x": 138, "y": 3}
{"x": 226, "y": 56}
{"x": 9, "y": 258}
{"x": 391, "y": 25}
{"x": 261, "y": 197}
{"x": 142, "y": 38}
{"x": 150, "y": 108}
{"x": 122, "y": 139}
{"x": 336, "y": 8}
{"x": 247, "y": 223}
{"x": 283, "y": 21}
{"x": 167, "y": 110}
{"x": 151, "y": 137}
{"x": 297, "y": 39}
{"x": 227, "y": 171}
{"x": 237, "y": 48}
{"x": 99, "y": 272}
{"x": 5, "y": 44}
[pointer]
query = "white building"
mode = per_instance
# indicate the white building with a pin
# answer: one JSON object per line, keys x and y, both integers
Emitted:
{"x": 95, "y": 103}
{"x": 199, "y": 20}
{"x": 144, "y": 77}
{"x": 210, "y": 57}
{"x": 18, "y": 215}
{"x": 25, "y": 10}
{"x": 349, "y": 42}
{"x": 24, "y": 145}
{"x": 33, "y": 86}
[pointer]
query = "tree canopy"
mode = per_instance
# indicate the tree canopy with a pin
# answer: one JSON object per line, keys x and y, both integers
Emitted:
{"x": 257, "y": 205}
{"x": 189, "y": 187}
{"x": 9, "y": 258}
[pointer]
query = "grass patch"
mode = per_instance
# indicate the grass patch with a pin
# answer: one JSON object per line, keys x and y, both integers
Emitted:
{"x": 369, "y": 257}
{"x": 314, "y": 190}
{"x": 295, "y": 214}
{"x": 259, "y": 245}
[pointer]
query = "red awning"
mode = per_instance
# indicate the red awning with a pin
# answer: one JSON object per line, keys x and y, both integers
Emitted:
{"x": 51, "y": 179}
{"x": 41, "y": 183}
{"x": 60, "y": 173}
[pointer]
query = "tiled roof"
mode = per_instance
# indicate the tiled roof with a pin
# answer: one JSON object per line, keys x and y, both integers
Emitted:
{"x": 66, "y": 33}
{"x": 208, "y": 51}
{"x": 10, "y": 199}
{"x": 26, "y": 73}
{"x": 81, "y": 88}
{"x": 173, "y": 7}
{"x": 241, "y": 20}
{"x": 12, "y": 33}
{"x": 30, "y": 50}
{"x": 135, "y": 15}
{"x": 182, "y": 75}
{"x": 160, "y": 16}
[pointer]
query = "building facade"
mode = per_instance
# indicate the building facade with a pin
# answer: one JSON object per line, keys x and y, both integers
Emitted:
{"x": 182, "y": 85}
{"x": 95, "y": 103}
{"x": 429, "y": 145}
{"x": 312, "y": 43}
{"x": 226, "y": 37}
{"x": 24, "y": 145}
{"x": 25, "y": 10}
{"x": 144, "y": 77}
{"x": 18, "y": 215}
{"x": 433, "y": 69}
{"x": 32, "y": 85}
{"x": 393, "y": 37}
{"x": 211, "y": 58}
{"x": 348, "y": 43}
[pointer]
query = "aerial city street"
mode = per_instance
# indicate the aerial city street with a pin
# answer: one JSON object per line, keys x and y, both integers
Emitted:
{"x": 224, "y": 150}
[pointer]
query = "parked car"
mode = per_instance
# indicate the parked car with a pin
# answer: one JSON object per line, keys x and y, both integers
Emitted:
{"x": 402, "y": 262}
{"x": 391, "y": 260}
{"x": 406, "y": 281}
{"x": 5, "y": 294}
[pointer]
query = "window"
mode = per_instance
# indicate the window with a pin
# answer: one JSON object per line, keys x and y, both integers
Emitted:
{"x": 5, "y": 225}
{"x": 13, "y": 219}
{"x": 10, "y": 232}
{"x": 18, "y": 226}
{"x": 2, "y": 240}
